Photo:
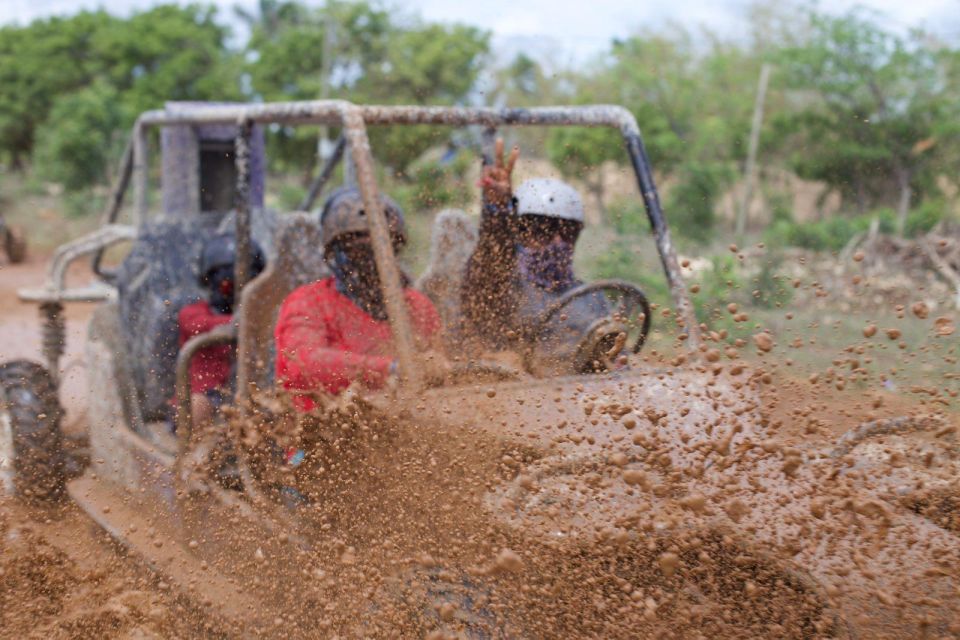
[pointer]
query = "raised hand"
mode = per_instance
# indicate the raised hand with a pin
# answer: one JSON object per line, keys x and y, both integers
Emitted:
{"x": 496, "y": 179}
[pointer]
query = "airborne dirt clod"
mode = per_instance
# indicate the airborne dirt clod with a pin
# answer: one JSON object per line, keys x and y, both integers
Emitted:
{"x": 617, "y": 528}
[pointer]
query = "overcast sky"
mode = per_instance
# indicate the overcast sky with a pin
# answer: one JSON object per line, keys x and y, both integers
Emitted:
{"x": 575, "y": 29}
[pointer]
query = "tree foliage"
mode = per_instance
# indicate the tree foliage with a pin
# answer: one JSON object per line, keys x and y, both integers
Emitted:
{"x": 80, "y": 136}
{"x": 375, "y": 57}
{"x": 872, "y": 108}
{"x": 868, "y": 112}
{"x": 86, "y": 77}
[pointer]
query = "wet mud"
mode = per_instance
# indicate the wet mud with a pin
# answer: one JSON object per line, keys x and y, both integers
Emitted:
{"x": 617, "y": 525}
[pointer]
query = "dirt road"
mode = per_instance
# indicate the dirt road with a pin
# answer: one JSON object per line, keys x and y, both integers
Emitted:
{"x": 20, "y": 334}
{"x": 59, "y": 576}
{"x": 398, "y": 500}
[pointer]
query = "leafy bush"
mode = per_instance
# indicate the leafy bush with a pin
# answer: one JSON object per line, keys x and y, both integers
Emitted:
{"x": 436, "y": 185}
{"x": 78, "y": 141}
{"x": 829, "y": 234}
{"x": 691, "y": 203}
{"x": 82, "y": 203}
{"x": 289, "y": 196}
{"x": 628, "y": 217}
{"x": 924, "y": 218}
{"x": 770, "y": 288}
{"x": 621, "y": 261}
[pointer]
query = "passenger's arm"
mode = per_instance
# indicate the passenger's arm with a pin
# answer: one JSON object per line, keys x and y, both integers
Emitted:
{"x": 311, "y": 361}
{"x": 197, "y": 319}
{"x": 487, "y": 300}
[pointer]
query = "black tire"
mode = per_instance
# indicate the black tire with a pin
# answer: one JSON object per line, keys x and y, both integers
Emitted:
{"x": 15, "y": 244}
{"x": 30, "y": 431}
{"x": 472, "y": 618}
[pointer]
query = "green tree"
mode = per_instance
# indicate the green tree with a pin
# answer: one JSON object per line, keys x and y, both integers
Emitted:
{"x": 581, "y": 152}
{"x": 81, "y": 136}
{"x": 424, "y": 64}
{"x": 168, "y": 53}
{"x": 376, "y": 59}
{"x": 870, "y": 105}
{"x": 693, "y": 98}
{"x": 123, "y": 65}
{"x": 39, "y": 63}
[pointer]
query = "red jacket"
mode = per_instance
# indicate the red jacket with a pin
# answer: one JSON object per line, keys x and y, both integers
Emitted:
{"x": 210, "y": 367}
{"x": 326, "y": 341}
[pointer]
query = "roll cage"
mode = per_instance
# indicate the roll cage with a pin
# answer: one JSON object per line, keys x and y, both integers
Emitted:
{"x": 353, "y": 120}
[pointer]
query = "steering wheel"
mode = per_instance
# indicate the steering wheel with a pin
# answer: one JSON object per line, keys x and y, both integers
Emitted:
{"x": 604, "y": 340}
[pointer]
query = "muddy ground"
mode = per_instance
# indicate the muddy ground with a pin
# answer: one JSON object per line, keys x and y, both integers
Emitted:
{"x": 60, "y": 577}
{"x": 407, "y": 503}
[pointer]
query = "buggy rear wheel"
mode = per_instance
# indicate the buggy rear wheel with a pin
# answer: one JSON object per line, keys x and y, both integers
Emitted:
{"x": 31, "y": 444}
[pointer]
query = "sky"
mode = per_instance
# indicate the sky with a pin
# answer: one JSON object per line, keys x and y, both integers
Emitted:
{"x": 574, "y": 30}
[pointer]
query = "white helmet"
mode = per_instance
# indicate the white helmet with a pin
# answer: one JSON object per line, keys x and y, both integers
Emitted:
{"x": 549, "y": 197}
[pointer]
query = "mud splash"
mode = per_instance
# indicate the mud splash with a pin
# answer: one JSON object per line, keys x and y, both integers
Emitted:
{"x": 58, "y": 581}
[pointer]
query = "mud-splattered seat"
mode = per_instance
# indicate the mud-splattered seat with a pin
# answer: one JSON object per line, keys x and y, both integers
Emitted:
{"x": 156, "y": 279}
{"x": 452, "y": 240}
{"x": 299, "y": 261}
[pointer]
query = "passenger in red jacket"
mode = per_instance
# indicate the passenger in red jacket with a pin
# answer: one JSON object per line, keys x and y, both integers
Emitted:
{"x": 212, "y": 367}
{"x": 335, "y": 331}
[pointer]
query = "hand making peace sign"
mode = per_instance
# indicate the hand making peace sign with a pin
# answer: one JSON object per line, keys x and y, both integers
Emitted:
{"x": 496, "y": 178}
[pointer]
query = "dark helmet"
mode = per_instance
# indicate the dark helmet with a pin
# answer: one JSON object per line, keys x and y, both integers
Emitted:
{"x": 220, "y": 252}
{"x": 343, "y": 214}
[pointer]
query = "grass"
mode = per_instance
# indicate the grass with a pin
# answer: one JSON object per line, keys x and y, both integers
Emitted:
{"x": 41, "y": 212}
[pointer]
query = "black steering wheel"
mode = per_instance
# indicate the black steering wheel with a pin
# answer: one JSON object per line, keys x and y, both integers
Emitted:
{"x": 604, "y": 340}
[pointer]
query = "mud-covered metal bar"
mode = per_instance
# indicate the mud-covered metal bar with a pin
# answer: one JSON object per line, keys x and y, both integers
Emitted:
{"x": 141, "y": 167}
{"x": 356, "y": 136}
{"x": 242, "y": 204}
{"x": 112, "y": 212}
{"x": 661, "y": 233}
{"x": 224, "y": 334}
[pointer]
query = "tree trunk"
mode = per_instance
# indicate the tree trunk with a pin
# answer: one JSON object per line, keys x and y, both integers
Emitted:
{"x": 16, "y": 161}
{"x": 750, "y": 169}
{"x": 903, "y": 206}
{"x": 598, "y": 193}
{"x": 861, "y": 194}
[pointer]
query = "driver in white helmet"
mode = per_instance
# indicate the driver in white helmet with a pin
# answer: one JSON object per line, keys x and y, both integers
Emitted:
{"x": 523, "y": 262}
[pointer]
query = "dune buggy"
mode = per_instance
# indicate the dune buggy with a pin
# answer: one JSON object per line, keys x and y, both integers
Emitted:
{"x": 670, "y": 471}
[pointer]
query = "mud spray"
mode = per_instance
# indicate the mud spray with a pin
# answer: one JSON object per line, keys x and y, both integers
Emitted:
{"x": 741, "y": 493}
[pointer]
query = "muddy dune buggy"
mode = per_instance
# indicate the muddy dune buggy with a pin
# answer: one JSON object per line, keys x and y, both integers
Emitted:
{"x": 645, "y": 439}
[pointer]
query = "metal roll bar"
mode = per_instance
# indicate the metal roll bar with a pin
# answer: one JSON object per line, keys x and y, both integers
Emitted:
{"x": 334, "y": 112}
{"x": 224, "y": 334}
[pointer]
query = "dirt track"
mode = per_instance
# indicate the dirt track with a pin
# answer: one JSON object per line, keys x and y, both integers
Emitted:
{"x": 20, "y": 335}
{"x": 63, "y": 578}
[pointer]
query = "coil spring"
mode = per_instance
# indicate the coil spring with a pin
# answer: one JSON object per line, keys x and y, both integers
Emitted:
{"x": 54, "y": 335}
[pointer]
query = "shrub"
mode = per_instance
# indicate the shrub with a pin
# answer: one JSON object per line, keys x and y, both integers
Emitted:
{"x": 628, "y": 217}
{"x": 829, "y": 234}
{"x": 436, "y": 185}
{"x": 924, "y": 218}
{"x": 769, "y": 287}
{"x": 289, "y": 196}
{"x": 622, "y": 262}
{"x": 78, "y": 140}
{"x": 691, "y": 203}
